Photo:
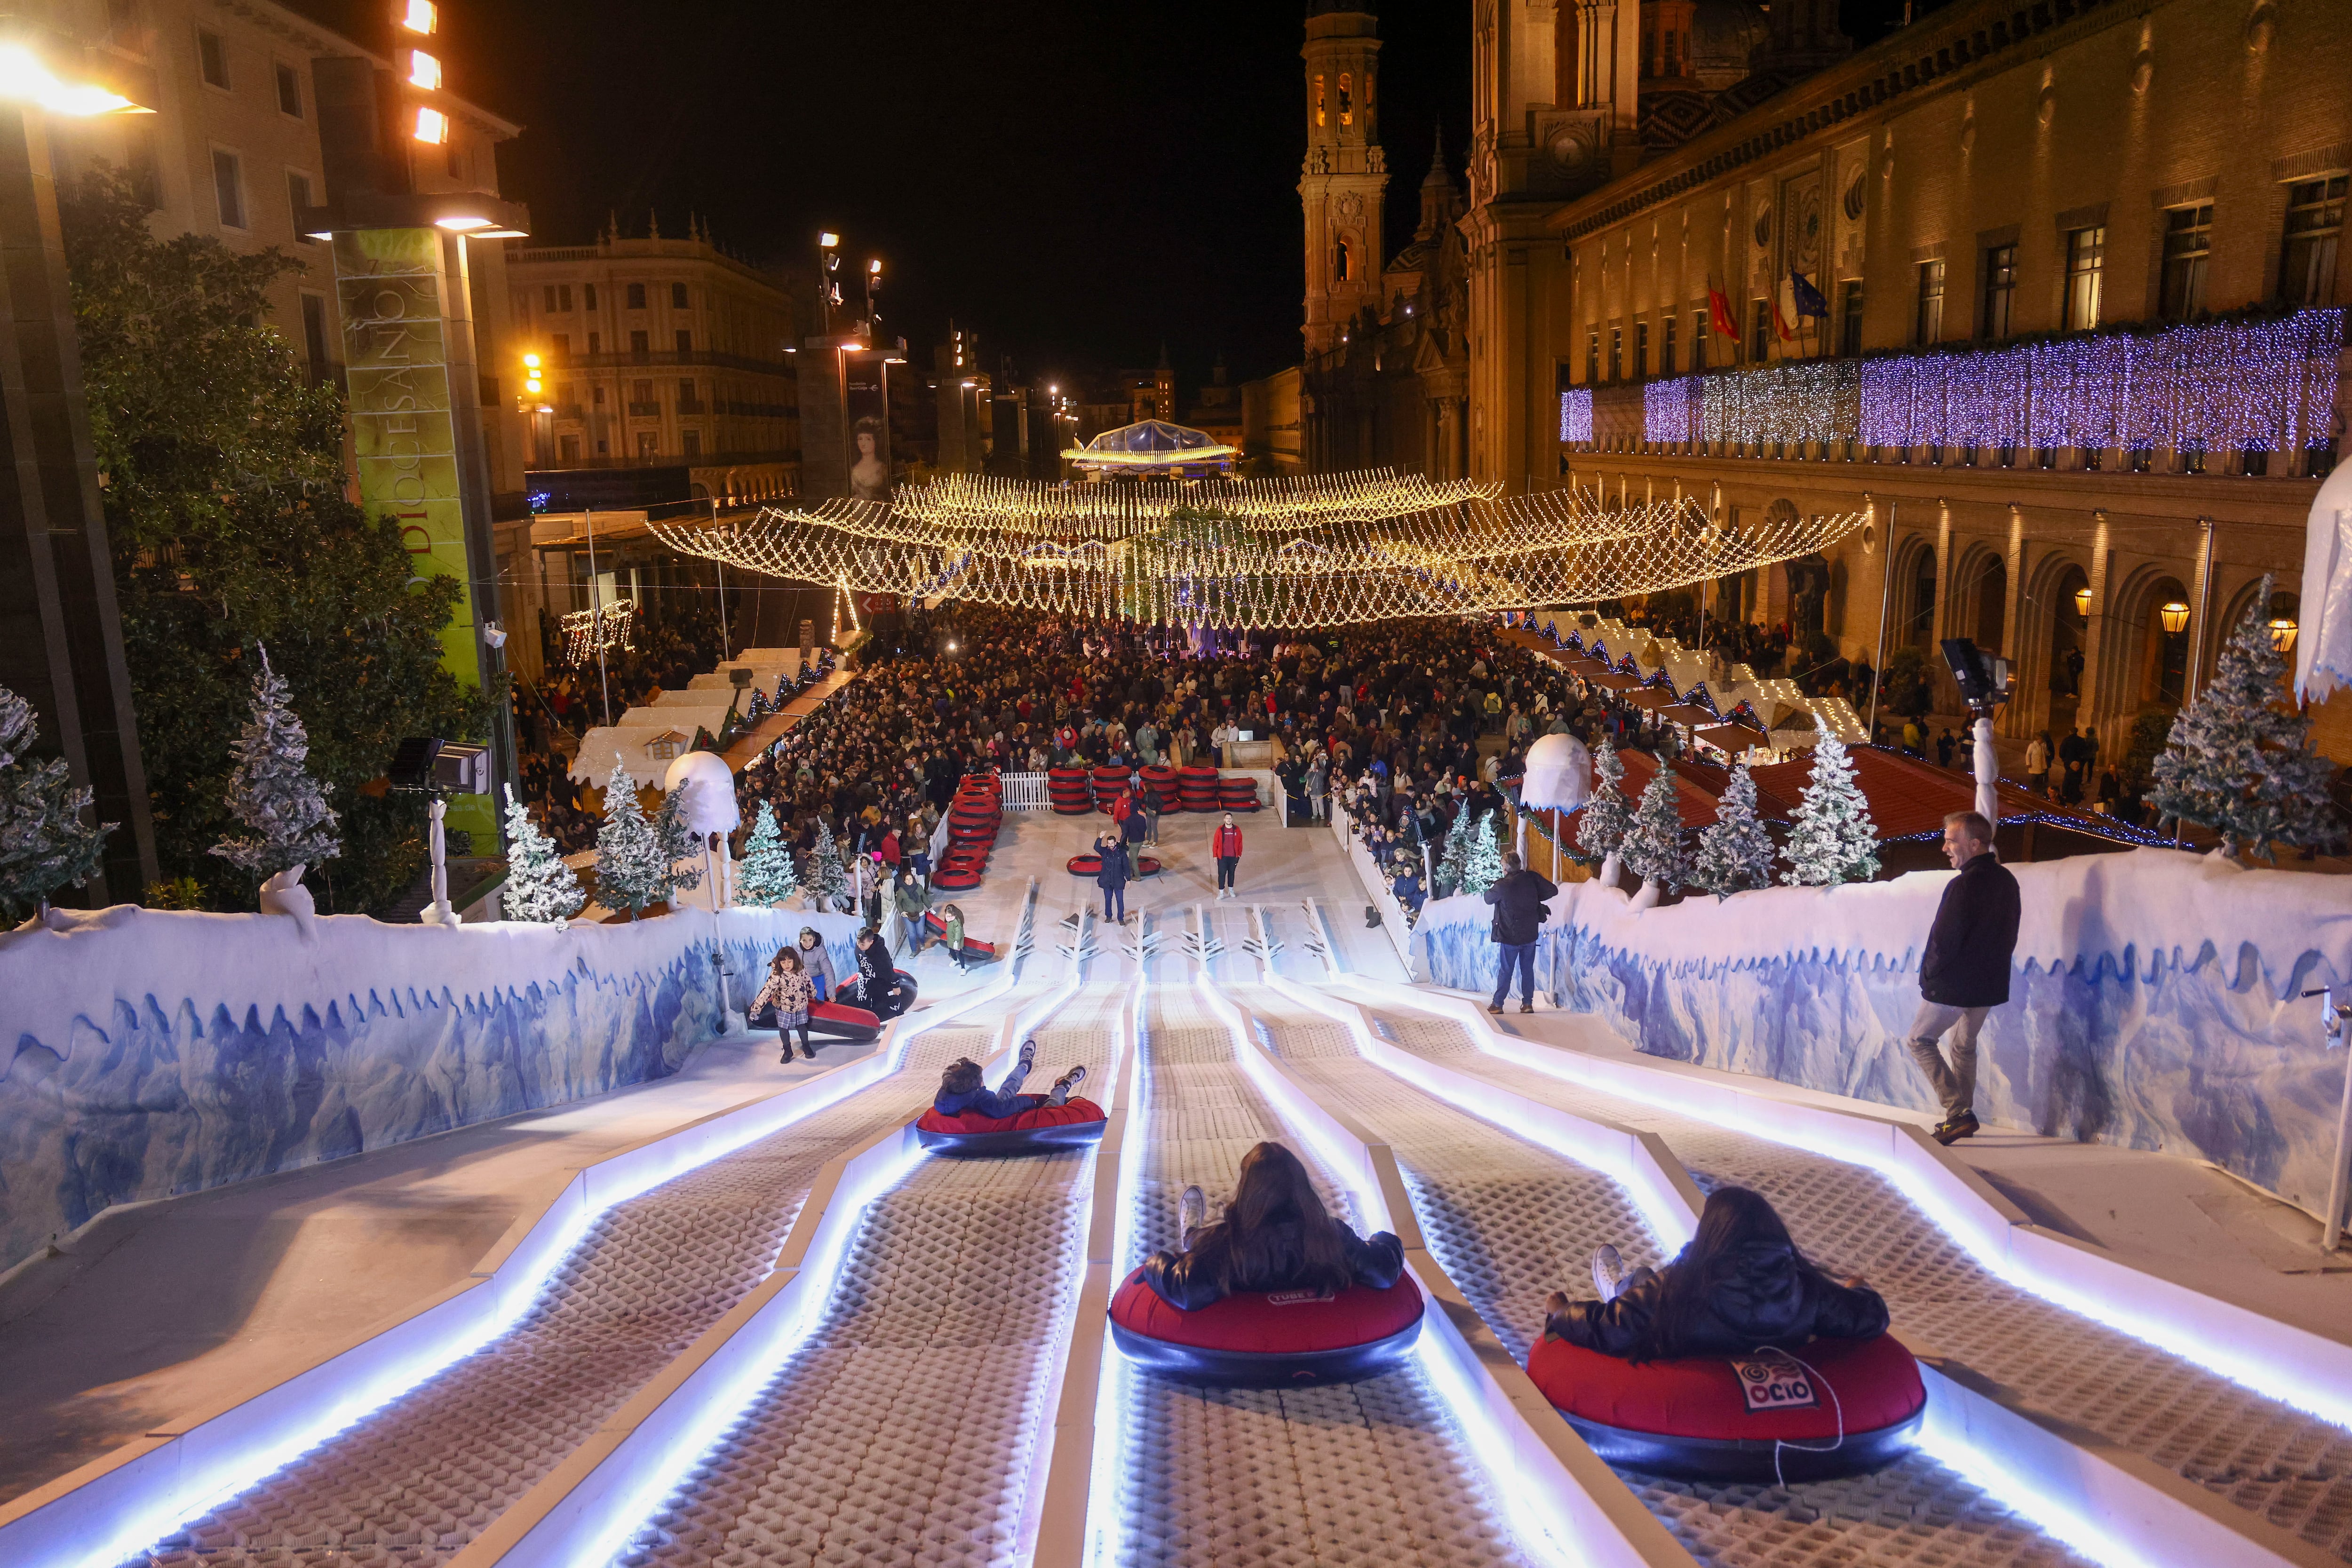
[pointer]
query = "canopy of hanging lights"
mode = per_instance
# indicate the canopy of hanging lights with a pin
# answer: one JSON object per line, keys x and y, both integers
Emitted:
{"x": 1320, "y": 551}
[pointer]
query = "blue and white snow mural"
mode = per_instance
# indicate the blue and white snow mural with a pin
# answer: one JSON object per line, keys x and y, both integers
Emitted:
{"x": 2156, "y": 1001}
{"x": 144, "y": 1053}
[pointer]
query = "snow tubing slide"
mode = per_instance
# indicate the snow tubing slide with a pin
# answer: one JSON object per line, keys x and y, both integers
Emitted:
{"x": 1837, "y": 1407}
{"x": 1269, "y": 1338}
{"x": 1074, "y": 1122}
{"x": 937, "y": 926}
{"x": 1091, "y": 866}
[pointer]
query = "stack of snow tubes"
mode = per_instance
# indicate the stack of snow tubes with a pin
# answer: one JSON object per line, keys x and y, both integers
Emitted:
{"x": 1110, "y": 783}
{"x": 1162, "y": 777}
{"x": 973, "y": 818}
{"x": 1071, "y": 791}
{"x": 1197, "y": 787}
{"x": 1238, "y": 794}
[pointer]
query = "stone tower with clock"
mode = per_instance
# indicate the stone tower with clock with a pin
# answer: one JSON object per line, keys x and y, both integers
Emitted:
{"x": 1343, "y": 185}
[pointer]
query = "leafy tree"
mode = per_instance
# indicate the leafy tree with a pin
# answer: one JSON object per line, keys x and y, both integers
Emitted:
{"x": 767, "y": 878}
{"x": 1834, "y": 838}
{"x": 272, "y": 792}
{"x": 539, "y": 888}
{"x": 43, "y": 842}
{"x": 1735, "y": 852}
{"x": 223, "y": 477}
{"x": 2239, "y": 759}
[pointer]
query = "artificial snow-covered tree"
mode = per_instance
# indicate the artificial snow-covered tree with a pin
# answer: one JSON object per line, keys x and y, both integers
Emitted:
{"x": 1832, "y": 839}
{"x": 1653, "y": 850}
{"x": 630, "y": 870}
{"x": 2239, "y": 759}
{"x": 1735, "y": 852}
{"x": 681, "y": 847}
{"x": 1602, "y": 824}
{"x": 766, "y": 878}
{"x": 273, "y": 793}
{"x": 1482, "y": 857}
{"x": 539, "y": 888}
{"x": 1452, "y": 861}
{"x": 828, "y": 880}
{"x": 43, "y": 842}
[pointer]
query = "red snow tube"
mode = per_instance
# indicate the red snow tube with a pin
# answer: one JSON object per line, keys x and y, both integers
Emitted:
{"x": 1198, "y": 788}
{"x": 1695, "y": 1416}
{"x": 1079, "y": 1121}
{"x": 1269, "y": 1338}
{"x": 840, "y": 1021}
{"x": 957, "y": 881}
{"x": 1238, "y": 795}
{"x": 1070, "y": 790}
{"x": 1091, "y": 866}
{"x": 1163, "y": 777}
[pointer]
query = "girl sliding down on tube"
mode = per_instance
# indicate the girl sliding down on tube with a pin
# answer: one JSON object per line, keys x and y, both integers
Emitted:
{"x": 1275, "y": 1236}
{"x": 1740, "y": 1285}
{"x": 962, "y": 1091}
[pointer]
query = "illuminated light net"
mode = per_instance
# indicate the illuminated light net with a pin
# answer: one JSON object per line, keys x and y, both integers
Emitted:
{"x": 1293, "y": 553}
{"x": 587, "y": 633}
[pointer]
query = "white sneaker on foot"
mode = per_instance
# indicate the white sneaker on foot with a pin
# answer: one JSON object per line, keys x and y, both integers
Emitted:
{"x": 1192, "y": 1211}
{"x": 1064, "y": 1084}
{"x": 1607, "y": 1269}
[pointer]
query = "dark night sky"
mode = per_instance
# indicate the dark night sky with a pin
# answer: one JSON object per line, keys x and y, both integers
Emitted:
{"x": 1077, "y": 181}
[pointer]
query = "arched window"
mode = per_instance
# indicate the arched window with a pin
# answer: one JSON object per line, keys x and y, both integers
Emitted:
{"x": 1347, "y": 100}
{"x": 1343, "y": 265}
{"x": 1319, "y": 99}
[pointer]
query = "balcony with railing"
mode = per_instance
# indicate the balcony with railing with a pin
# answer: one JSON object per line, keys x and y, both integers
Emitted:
{"x": 2251, "y": 397}
{"x": 645, "y": 410}
{"x": 689, "y": 406}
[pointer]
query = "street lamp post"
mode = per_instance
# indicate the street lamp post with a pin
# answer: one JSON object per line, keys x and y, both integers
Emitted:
{"x": 60, "y": 628}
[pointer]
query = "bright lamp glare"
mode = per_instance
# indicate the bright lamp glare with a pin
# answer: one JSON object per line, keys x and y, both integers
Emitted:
{"x": 461, "y": 224}
{"x": 432, "y": 126}
{"x": 828, "y": 239}
{"x": 23, "y": 78}
{"x": 420, "y": 16}
{"x": 530, "y": 359}
{"x": 874, "y": 265}
{"x": 423, "y": 70}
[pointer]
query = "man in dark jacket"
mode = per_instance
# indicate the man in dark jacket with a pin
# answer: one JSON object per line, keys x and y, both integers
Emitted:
{"x": 1519, "y": 900}
{"x": 1964, "y": 971}
{"x": 1112, "y": 876}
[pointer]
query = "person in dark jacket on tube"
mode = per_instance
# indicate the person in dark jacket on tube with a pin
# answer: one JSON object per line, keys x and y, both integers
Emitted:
{"x": 1740, "y": 1285}
{"x": 1275, "y": 1236}
{"x": 1964, "y": 970}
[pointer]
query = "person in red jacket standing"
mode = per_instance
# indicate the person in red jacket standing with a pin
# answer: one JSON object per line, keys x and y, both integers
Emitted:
{"x": 1225, "y": 844}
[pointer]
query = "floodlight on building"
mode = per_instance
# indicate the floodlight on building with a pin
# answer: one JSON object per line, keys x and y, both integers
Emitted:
{"x": 420, "y": 16}
{"x": 432, "y": 127}
{"x": 2175, "y": 616}
{"x": 827, "y": 239}
{"x": 323, "y": 237}
{"x": 464, "y": 224}
{"x": 423, "y": 70}
{"x": 25, "y": 77}
{"x": 499, "y": 234}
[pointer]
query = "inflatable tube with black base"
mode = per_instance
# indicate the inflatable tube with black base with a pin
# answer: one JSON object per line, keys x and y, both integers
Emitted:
{"x": 1076, "y": 1122}
{"x": 1269, "y": 1338}
{"x": 1091, "y": 866}
{"x": 1842, "y": 1407}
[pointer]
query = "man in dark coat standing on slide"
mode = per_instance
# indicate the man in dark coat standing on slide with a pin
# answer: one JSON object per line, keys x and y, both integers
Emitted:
{"x": 1964, "y": 971}
{"x": 1519, "y": 900}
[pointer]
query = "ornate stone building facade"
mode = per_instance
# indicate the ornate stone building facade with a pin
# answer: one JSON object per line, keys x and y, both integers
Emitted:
{"x": 2081, "y": 359}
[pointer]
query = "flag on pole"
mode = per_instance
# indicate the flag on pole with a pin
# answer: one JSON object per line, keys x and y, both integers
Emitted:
{"x": 1719, "y": 308}
{"x": 1807, "y": 298}
{"x": 1785, "y": 320}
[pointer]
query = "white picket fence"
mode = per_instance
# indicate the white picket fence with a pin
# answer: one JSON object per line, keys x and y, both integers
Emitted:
{"x": 1024, "y": 792}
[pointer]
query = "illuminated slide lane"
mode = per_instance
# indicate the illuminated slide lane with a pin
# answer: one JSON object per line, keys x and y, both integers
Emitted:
{"x": 1372, "y": 1471}
{"x": 2212, "y": 1469}
{"x": 415, "y": 1480}
{"x": 1511, "y": 1221}
{"x": 904, "y": 1426}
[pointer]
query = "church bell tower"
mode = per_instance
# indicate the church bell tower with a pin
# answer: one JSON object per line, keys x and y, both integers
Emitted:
{"x": 1342, "y": 187}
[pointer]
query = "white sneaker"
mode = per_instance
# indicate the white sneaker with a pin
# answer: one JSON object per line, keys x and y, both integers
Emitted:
{"x": 1192, "y": 1211}
{"x": 1607, "y": 1269}
{"x": 1064, "y": 1084}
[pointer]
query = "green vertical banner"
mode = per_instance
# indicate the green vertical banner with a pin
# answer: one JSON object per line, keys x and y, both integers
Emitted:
{"x": 389, "y": 283}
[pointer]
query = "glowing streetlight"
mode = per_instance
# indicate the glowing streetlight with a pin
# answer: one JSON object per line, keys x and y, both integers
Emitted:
{"x": 2175, "y": 616}
{"x": 2083, "y": 602}
{"x": 2282, "y": 631}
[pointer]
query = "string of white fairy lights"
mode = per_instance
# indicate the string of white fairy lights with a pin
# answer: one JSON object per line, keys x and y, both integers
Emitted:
{"x": 587, "y": 633}
{"x": 1470, "y": 554}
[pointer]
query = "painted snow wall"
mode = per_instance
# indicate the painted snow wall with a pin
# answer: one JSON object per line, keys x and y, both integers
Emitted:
{"x": 144, "y": 1053}
{"x": 2156, "y": 1000}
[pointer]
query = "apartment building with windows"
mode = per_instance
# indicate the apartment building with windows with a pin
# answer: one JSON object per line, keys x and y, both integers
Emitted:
{"x": 232, "y": 151}
{"x": 660, "y": 353}
{"x": 2081, "y": 361}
